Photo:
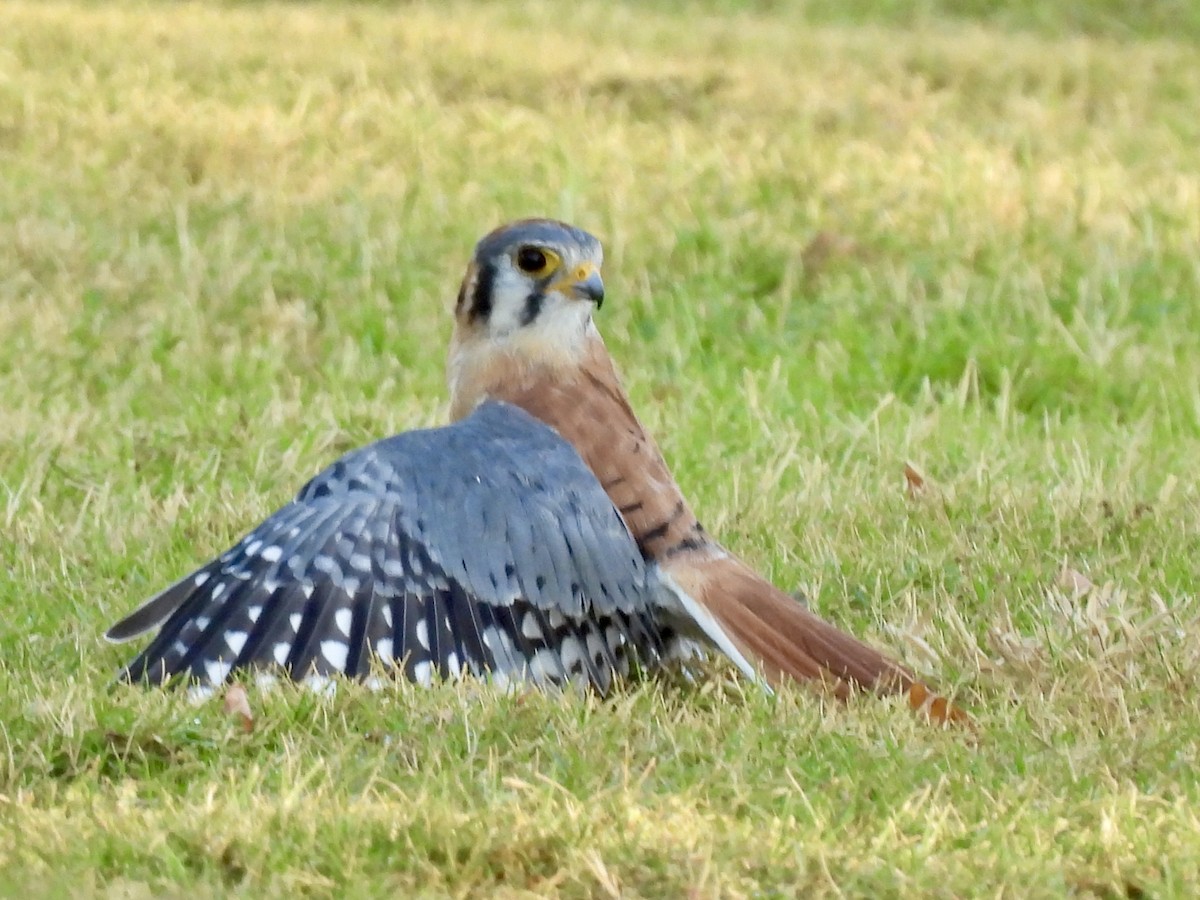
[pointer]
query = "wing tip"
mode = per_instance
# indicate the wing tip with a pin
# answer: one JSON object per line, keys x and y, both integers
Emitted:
{"x": 122, "y": 632}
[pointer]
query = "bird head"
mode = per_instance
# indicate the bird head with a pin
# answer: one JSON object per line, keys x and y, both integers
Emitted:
{"x": 524, "y": 311}
{"x": 533, "y": 276}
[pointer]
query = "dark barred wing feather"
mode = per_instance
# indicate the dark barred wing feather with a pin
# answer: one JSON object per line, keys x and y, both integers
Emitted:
{"x": 485, "y": 547}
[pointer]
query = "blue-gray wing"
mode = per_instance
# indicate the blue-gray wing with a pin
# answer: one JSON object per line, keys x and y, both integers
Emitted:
{"x": 486, "y": 546}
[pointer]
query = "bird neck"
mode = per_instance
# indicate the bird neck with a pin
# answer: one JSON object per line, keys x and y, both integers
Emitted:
{"x": 522, "y": 364}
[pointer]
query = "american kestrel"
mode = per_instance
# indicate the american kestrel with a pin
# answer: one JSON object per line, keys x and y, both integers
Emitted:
{"x": 540, "y": 536}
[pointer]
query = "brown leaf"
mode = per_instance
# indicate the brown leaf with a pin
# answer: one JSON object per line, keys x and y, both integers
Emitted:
{"x": 914, "y": 481}
{"x": 238, "y": 703}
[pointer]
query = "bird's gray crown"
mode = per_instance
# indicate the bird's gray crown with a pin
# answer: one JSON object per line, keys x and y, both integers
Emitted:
{"x": 539, "y": 232}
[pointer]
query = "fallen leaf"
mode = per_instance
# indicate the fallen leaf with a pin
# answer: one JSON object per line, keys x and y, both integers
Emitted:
{"x": 914, "y": 481}
{"x": 238, "y": 703}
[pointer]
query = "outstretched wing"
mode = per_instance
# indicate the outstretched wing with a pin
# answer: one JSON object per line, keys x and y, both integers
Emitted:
{"x": 486, "y": 546}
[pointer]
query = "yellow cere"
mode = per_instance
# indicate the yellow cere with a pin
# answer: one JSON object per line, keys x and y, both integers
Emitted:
{"x": 581, "y": 273}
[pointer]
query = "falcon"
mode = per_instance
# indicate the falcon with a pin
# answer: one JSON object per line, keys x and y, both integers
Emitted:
{"x": 540, "y": 537}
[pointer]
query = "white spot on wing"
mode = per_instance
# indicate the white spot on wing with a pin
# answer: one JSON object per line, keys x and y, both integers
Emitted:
{"x": 571, "y": 652}
{"x": 383, "y": 649}
{"x": 272, "y": 553}
{"x": 530, "y": 627}
{"x": 281, "y": 651}
{"x": 252, "y": 613}
{"x": 294, "y": 620}
{"x": 199, "y": 693}
{"x": 336, "y": 652}
{"x": 252, "y": 547}
{"x": 423, "y": 674}
{"x": 614, "y": 638}
{"x": 501, "y": 679}
{"x": 236, "y": 640}
{"x": 543, "y": 667}
{"x": 217, "y": 670}
{"x": 343, "y": 618}
{"x": 423, "y": 634}
{"x": 200, "y": 578}
{"x": 321, "y": 684}
{"x": 387, "y": 615}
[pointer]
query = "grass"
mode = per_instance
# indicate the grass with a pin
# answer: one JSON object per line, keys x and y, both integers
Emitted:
{"x": 841, "y": 237}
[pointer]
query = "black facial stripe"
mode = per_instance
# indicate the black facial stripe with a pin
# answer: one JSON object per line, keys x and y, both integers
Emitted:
{"x": 533, "y": 307}
{"x": 481, "y": 297}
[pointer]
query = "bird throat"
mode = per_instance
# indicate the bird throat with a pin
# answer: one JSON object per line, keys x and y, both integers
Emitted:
{"x": 525, "y": 364}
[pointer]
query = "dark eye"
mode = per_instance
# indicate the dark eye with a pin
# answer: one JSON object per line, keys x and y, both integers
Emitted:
{"x": 531, "y": 260}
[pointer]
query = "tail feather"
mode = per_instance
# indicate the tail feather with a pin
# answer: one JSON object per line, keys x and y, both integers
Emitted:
{"x": 789, "y": 641}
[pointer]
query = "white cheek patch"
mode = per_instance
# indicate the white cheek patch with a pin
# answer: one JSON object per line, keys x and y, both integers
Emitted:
{"x": 510, "y": 290}
{"x": 556, "y": 319}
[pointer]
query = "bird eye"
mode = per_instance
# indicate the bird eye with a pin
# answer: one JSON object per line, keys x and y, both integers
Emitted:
{"x": 535, "y": 261}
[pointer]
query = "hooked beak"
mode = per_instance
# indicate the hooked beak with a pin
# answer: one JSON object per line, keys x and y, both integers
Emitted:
{"x": 583, "y": 283}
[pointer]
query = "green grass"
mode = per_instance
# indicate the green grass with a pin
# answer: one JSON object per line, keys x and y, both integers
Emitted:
{"x": 841, "y": 237}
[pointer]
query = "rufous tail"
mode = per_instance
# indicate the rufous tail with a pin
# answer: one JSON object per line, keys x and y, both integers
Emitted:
{"x": 786, "y": 640}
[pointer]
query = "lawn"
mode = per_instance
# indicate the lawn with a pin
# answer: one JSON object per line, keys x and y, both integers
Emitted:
{"x": 841, "y": 239}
